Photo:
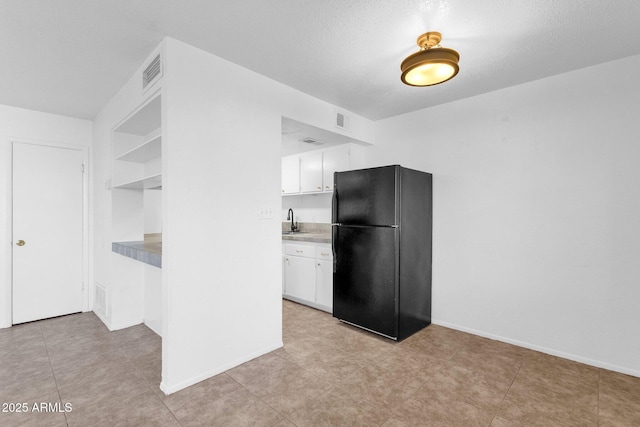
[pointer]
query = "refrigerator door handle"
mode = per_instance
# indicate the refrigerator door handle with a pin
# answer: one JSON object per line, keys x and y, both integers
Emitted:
{"x": 334, "y": 204}
{"x": 334, "y": 222}
{"x": 334, "y": 231}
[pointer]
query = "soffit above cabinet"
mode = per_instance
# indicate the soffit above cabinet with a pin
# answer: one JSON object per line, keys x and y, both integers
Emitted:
{"x": 294, "y": 131}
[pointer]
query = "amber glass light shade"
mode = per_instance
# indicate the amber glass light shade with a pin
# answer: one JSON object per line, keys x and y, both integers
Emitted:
{"x": 431, "y": 65}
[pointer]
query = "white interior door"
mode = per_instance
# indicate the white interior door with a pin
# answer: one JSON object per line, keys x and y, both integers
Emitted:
{"x": 47, "y": 231}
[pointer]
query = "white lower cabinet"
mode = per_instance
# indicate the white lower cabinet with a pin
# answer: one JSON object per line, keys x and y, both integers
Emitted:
{"x": 300, "y": 275}
{"x": 324, "y": 285}
{"x": 308, "y": 274}
{"x": 324, "y": 278}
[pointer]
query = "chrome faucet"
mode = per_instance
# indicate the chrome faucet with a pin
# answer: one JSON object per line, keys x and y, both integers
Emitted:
{"x": 294, "y": 227}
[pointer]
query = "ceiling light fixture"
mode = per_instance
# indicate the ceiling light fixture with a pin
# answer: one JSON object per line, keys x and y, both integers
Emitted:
{"x": 432, "y": 65}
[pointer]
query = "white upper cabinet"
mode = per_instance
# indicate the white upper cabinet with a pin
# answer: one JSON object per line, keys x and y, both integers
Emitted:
{"x": 311, "y": 172}
{"x": 335, "y": 160}
{"x": 290, "y": 175}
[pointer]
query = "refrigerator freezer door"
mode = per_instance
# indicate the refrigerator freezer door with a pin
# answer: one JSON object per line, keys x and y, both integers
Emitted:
{"x": 365, "y": 277}
{"x": 366, "y": 197}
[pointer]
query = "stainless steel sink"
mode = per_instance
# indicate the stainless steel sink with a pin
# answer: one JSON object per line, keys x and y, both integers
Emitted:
{"x": 293, "y": 233}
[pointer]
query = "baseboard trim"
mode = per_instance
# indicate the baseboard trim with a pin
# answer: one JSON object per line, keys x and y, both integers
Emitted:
{"x": 546, "y": 350}
{"x": 117, "y": 326}
{"x": 148, "y": 325}
{"x": 103, "y": 319}
{"x": 169, "y": 389}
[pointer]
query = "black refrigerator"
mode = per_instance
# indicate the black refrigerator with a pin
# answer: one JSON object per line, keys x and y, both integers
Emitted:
{"x": 382, "y": 228}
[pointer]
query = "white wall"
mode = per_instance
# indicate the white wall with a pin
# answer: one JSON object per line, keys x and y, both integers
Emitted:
{"x": 152, "y": 201}
{"x": 536, "y": 211}
{"x": 27, "y": 125}
{"x": 308, "y": 208}
{"x": 153, "y": 298}
{"x": 221, "y": 165}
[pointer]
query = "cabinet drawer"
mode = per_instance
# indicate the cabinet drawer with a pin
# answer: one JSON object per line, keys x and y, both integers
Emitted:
{"x": 324, "y": 253}
{"x": 301, "y": 250}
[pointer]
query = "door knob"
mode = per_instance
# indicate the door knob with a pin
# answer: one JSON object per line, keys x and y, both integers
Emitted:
{"x": 20, "y": 243}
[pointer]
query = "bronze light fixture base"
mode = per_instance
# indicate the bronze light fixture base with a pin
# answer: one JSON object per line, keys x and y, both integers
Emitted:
{"x": 431, "y": 65}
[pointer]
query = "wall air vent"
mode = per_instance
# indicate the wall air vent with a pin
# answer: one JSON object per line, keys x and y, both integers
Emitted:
{"x": 342, "y": 121}
{"x": 152, "y": 73}
{"x": 313, "y": 141}
{"x": 100, "y": 301}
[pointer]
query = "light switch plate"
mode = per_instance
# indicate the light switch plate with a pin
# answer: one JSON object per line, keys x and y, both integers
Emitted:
{"x": 265, "y": 213}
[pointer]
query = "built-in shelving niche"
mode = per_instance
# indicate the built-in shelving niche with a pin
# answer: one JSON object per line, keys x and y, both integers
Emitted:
{"x": 135, "y": 288}
{"x": 137, "y": 149}
{"x": 137, "y": 169}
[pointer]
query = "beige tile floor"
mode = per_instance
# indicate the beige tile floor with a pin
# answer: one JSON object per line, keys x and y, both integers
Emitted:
{"x": 327, "y": 373}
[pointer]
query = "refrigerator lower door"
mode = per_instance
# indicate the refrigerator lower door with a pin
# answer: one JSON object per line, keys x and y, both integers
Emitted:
{"x": 365, "y": 277}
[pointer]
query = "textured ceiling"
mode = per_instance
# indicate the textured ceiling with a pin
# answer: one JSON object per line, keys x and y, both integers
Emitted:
{"x": 71, "y": 56}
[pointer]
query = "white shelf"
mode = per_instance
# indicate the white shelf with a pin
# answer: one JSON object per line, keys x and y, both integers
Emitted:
{"x": 150, "y": 182}
{"x": 148, "y": 150}
{"x": 143, "y": 121}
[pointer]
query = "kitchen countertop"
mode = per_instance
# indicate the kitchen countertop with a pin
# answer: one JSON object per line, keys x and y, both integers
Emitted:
{"x": 307, "y": 232}
{"x": 148, "y": 250}
{"x": 308, "y": 237}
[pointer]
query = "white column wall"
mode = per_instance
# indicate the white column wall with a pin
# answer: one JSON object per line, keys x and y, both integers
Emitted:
{"x": 123, "y": 278}
{"x": 536, "y": 211}
{"x": 221, "y": 165}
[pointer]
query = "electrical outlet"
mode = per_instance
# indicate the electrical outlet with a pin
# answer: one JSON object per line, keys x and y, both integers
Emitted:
{"x": 265, "y": 213}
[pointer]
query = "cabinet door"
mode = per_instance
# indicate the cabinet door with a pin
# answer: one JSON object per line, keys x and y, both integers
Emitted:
{"x": 284, "y": 262}
{"x": 335, "y": 160}
{"x": 290, "y": 175}
{"x": 311, "y": 172}
{"x": 300, "y": 278}
{"x": 324, "y": 284}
